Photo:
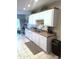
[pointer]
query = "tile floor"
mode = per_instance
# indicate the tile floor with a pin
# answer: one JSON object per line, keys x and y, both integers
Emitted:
{"x": 23, "y": 52}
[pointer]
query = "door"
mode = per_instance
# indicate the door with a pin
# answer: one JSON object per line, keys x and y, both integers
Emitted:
{"x": 43, "y": 43}
{"x": 36, "y": 40}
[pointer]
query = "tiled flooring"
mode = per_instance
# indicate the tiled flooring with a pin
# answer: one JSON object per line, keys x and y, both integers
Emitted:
{"x": 23, "y": 52}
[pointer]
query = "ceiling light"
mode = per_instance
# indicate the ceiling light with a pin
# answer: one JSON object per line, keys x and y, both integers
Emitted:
{"x": 28, "y": 5}
{"x": 24, "y": 8}
{"x": 36, "y": 0}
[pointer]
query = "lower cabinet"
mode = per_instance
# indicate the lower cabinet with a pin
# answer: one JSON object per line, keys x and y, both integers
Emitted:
{"x": 30, "y": 35}
{"x": 26, "y": 33}
{"x": 43, "y": 43}
{"x": 38, "y": 39}
{"x": 33, "y": 37}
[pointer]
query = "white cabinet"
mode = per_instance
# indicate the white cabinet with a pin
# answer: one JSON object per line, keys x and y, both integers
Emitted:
{"x": 30, "y": 35}
{"x": 26, "y": 33}
{"x": 33, "y": 37}
{"x": 37, "y": 39}
{"x": 41, "y": 41}
{"x": 48, "y": 17}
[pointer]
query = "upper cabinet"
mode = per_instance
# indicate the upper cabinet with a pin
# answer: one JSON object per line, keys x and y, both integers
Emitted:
{"x": 48, "y": 16}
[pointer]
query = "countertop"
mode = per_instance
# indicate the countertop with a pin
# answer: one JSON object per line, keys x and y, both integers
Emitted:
{"x": 43, "y": 33}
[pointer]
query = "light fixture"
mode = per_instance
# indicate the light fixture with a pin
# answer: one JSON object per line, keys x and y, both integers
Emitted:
{"x": 28, "y": 5}
{"x": 24, "y": 8}
{"x": 36, "y": 0}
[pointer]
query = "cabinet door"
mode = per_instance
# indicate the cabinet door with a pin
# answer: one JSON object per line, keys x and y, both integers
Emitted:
{"x": 30, "y": 35}
{"x": 43, "y": 43}
{"x": 33, "y": 37}
{"x": 36, "y": 40}
{"x": 26, "y": 32}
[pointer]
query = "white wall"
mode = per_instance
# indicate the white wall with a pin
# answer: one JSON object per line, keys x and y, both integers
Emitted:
{"x": 55, "y": 4}
{"x": 23, "y": 12}
{"x": 58, "y": 22}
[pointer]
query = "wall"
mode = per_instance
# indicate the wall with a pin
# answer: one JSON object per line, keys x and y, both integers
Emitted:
{"x": 58, "y": 22}
{"x": 23, "y": 12}
{"x": 55, "y": 4}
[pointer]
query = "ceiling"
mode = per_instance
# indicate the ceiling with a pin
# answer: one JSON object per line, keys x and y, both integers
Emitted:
{"x": 22, "y": 5}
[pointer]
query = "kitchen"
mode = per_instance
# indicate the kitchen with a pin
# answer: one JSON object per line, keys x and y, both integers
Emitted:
{"x": 43, "y": 26}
